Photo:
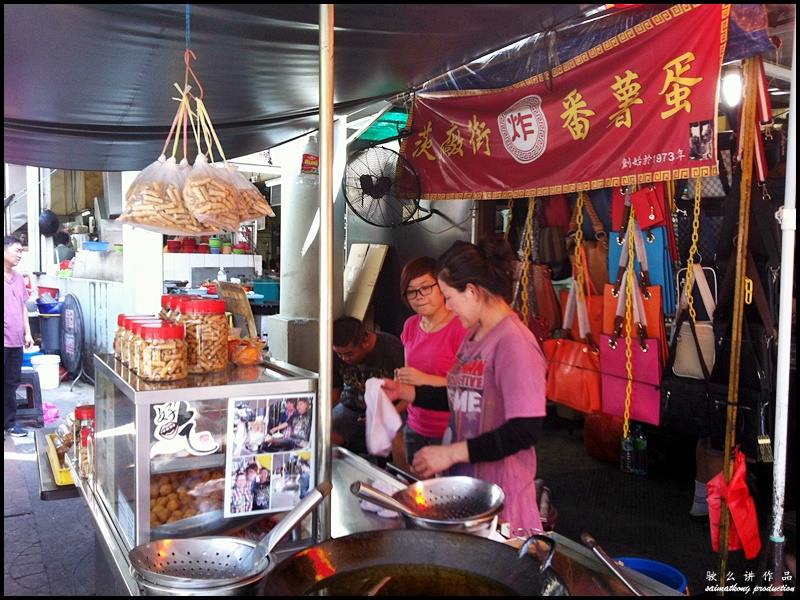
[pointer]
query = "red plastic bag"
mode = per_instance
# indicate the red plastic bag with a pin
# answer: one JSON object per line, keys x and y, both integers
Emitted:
{"x": 743, "y": 533}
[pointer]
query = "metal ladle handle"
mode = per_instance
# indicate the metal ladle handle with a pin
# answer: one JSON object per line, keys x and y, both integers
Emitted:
{"x": 292, "y": 518}
{"x": 591, "y": 543}
{"x": 370, "y": 494}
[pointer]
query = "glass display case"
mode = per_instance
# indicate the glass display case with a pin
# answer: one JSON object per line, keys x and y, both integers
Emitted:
{"x": 160, "y": 448}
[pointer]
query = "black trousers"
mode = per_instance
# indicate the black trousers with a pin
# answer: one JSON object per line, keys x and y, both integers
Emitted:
{"x": 12, "y": 371}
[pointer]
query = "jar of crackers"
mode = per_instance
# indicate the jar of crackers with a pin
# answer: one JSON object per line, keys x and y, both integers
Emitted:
{"x": 161, "y": 354}
{"x": 206, "y": 335}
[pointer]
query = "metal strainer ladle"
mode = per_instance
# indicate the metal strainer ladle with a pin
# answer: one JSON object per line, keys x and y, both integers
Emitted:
{"x": 444, "y": 502}
{"x": 213, "y": 562}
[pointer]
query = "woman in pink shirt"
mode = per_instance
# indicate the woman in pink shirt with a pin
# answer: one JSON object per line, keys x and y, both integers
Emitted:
{"x": 431, "y": 338}
{"x": 496, "y": 387}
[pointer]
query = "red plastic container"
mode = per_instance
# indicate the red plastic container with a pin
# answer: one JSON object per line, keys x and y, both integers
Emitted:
{"x": 173, "y": 245}
{"x": 203, "y": 249}
{"x": 48, "y": 290}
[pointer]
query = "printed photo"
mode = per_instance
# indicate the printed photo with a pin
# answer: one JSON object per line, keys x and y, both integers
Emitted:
{"x": 250, "y": 484}
{"x": 701, "y": 140}
{"x": 291, "y": 479}
{"x": 250, "y": 426}
{"x": 290, "y": 421}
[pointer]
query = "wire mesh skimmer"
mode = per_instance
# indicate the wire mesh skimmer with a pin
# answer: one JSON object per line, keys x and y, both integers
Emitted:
{"x": 214, "y": 562}
{"x": 453, "y": 503}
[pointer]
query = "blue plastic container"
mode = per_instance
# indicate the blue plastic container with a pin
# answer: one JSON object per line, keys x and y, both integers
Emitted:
{"x": 661, "y": 572}
{"x": 96, "y": 246}
{"x": 49, "y": 308}
{"x": 269, "y": 288}
{"x": 27, "y": 356}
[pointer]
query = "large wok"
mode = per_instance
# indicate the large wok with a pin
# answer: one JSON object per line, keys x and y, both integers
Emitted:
{"x": 412, "y": 562}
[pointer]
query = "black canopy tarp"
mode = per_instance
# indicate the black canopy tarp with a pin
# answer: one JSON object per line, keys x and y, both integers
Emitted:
{"x": 88, "y": 87}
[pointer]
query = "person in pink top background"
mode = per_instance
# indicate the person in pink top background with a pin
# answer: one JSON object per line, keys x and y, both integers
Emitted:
{"x": 496, "y": 388}
{"x": 430, "y": 338}
{"x": 16, "y": 332}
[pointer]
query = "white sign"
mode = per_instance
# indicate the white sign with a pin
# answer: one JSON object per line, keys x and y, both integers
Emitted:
{"x": 175, "y": 430}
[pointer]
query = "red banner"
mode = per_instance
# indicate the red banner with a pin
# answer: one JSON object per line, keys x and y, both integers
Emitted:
{"x": 640, "y": 107}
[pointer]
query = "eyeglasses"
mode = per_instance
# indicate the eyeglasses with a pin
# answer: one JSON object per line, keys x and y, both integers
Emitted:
{"x": 425, "y": 290}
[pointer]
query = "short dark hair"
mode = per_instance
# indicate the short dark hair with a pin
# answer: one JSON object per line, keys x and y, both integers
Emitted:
{"x": 424, "y": 265}
{"x": 348, "y": 330}
{"x": 488, "y": 265}
{"x": 61, "y": 237}
{"x": 10, "y": 240}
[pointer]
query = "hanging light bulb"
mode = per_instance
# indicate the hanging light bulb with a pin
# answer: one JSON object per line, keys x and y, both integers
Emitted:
{"x": 732, "y": 85}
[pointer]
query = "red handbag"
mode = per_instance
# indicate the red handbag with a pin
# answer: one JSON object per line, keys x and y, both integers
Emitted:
{"x": 647, "y": 366}
{"x": 648, "y": 206}
{"x": 743, "y": 533}
{"x": 573, "y": 375}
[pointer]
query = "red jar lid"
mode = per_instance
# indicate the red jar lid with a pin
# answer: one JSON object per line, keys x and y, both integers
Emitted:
{"x": 203, "y": 307}
{"x": 162, "y": 332}
{"x": 129, "y": 321}
{"x": 84, "y": 412}
{"x": 136, "y": 326}
{"x": 121, "y": 318}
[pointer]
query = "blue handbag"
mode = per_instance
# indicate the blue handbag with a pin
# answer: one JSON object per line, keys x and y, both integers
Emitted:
{"x": 659, "y": 262}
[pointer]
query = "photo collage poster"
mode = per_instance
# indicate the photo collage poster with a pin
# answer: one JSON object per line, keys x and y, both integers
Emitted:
{"x": 269, "y": 466}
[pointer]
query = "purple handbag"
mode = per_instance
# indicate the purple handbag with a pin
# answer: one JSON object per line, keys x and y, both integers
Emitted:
{"x": 646, "y": 362}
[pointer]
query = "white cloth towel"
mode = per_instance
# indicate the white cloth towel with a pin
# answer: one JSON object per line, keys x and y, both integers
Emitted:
{"x": 383, "y": 422}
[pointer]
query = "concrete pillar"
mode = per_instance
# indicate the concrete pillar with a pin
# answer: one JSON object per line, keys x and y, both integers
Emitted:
{"x": 142, "y": 264}
{"x": 294, "y": 333}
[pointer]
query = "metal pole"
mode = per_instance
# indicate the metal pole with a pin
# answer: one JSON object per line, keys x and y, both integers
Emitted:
{"x": 748, "y": 128}
{"x": 788, "y": 219}
{"x": 324, "y": 457}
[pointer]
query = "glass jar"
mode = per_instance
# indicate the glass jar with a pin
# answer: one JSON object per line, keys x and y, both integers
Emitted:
{"x": 206, "y": 335}
{"x": 166, "y": 306}
{"x": 84, "y": 422}
{"x": 162, "y": 353}
{"x": 121, "y": 334}
{"x": 129, "y": 342}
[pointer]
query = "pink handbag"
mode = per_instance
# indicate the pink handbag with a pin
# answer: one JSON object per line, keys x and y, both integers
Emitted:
{"x": 646, "y": 362}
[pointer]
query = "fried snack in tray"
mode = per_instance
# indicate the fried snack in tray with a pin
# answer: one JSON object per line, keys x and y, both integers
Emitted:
{"x": 175, "y": 496}
{"x": 155, "y": 201}
{"x": 213, "y": 201}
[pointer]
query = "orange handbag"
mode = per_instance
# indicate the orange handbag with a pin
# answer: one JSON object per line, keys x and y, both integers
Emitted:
{"x": 651, "y": 296}
{"x": 573, "y": 375}
{"x": 595, "y": 254}
{"x": 594, "y": 305}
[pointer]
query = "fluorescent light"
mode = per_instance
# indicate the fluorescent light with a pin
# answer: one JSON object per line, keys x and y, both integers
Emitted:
{"x": 732, "y": 88}
{"x": 86, "y": 213}
{"x": 773, "y": 89}
{"x": 781, "y": 93}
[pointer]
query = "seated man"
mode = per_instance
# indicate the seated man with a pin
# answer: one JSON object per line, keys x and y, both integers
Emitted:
{"x": 359, "y": 355}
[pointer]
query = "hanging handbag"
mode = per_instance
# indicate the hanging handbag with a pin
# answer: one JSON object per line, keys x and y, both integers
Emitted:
{"x": 651, "y": 295}
{"x": 594, "y": 305}
{"x": 596, "y": 252}
{"x": 695, "y": 343}
{"x": 648, "y": 206}
{"x": 686, "y": 406}
{"x": 646, "y": 362}
{"x": 652, "y": 256}
{"x": 573, "y": 375}
{"x": 756, "y": 407}
{"x": 714, "y": 186}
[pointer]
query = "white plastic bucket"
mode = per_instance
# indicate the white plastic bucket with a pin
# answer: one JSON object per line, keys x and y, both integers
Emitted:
{"x": 46, "y": 366}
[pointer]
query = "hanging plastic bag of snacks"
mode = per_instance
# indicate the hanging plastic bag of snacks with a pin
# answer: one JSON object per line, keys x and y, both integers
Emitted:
{"x": 213, "y": 201}
{"x": 252, "y": 204}
{"x": 154, "y": 200}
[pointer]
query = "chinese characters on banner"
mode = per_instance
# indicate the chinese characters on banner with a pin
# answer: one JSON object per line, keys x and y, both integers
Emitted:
{"x": 638, "y": 108}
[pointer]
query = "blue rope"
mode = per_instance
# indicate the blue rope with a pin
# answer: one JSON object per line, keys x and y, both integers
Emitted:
{"x": 188, "y": 26}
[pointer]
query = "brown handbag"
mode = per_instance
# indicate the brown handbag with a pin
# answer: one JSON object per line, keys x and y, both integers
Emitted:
{"x": 596, "y": 257}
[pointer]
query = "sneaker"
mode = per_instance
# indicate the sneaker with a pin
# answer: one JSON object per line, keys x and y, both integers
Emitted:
{"x": 18, "y": 431}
